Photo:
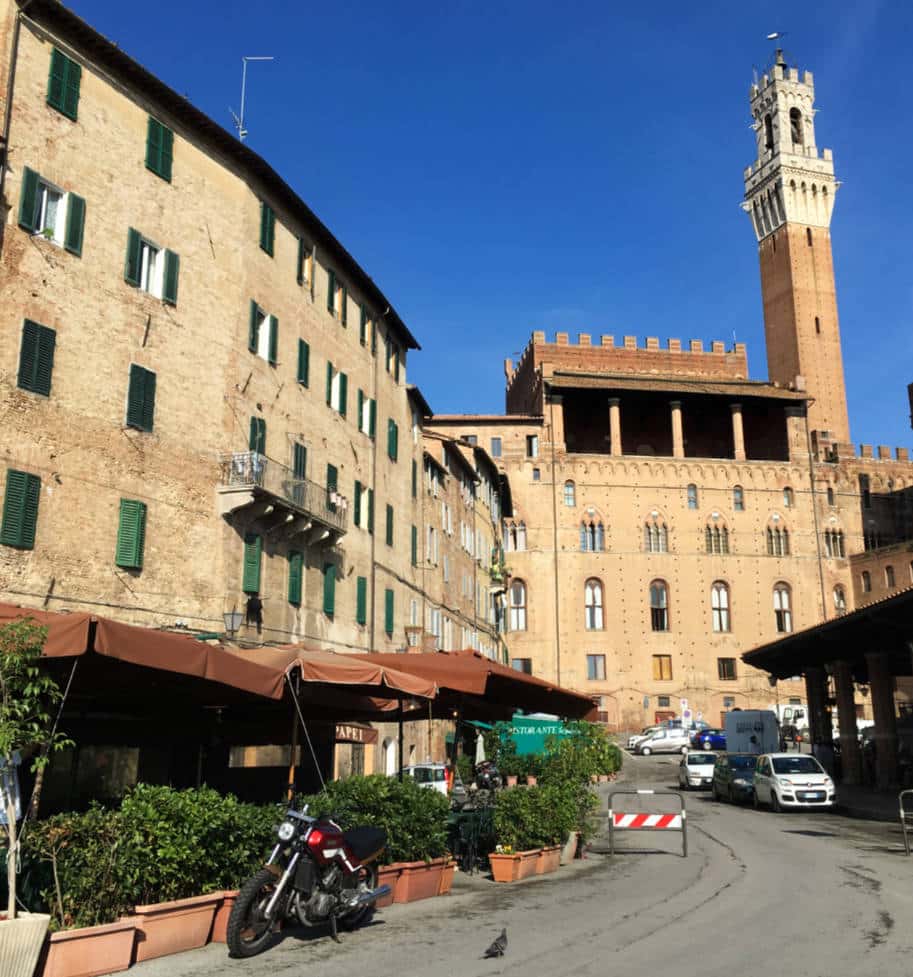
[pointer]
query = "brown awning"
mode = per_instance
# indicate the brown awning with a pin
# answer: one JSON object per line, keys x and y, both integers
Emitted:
{"x": 68, "y": 634}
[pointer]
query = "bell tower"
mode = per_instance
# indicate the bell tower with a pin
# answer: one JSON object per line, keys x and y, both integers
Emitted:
{"x": 789, "y": 195}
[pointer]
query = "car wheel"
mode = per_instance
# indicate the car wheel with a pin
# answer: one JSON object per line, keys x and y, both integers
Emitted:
{"x": 684, "y": 750}
{"x": 755, "y": 801}
{"x": 705, "y": 745}
{"x": 645, "y": 751}
{"x": 774, "y": 802}
{"x": 714, "y": 791}
{"x": 729, "y": 796}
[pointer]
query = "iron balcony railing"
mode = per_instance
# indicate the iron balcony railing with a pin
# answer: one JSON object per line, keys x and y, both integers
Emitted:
{"x": 250, "y": 469}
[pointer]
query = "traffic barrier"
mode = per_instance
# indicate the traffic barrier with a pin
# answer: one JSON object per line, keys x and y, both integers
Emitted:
{"x": 906, "y": 818}
{"x": 649, "y": 821}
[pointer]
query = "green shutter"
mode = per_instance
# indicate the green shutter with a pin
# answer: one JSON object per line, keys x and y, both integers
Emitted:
{"x": 332, "y": 485}
{"x": 414, "y": 546}
{"x": 392, "y": 439}
{"x": 28, "y": 200}
{"x": 253, "y": 331}
{"x": 167, "y": 153}
{"x": 302, "y": 255}
{"x": 357, "y": 505}
{"x": 295, "y": 569}
{"x": 36, "y": 358}
{"x": 329, "y": 589}
{"x": 361, "y": 600}
{"x": 343, "y": 392}
{"x": 304, "y": 362}
{"x": 373, "y": 338}
{"x": 258, "y": 435}
{"x": 371, "y": 511}
{"x": 170, "y": 284}
{"x": 131, "y": 534}
{"x": 20, "y": 509}
{"x": 344, "y": 305}
{"x": 57, "y": 80}
{"x": 363, "y": 326}
{"x": 273, "y": 340}
{"x": 141, "y": 398}
{"x": 132, "y": 264}
{"x": 389, "y": 535}
{"x": 299, "y": 460}
{"x": 388, "y": 611}
{"x": 253, "y": 549}
{"x": 331, "y": 292}
{"x": 267, "y": 228}
{"x": 395, "y": 441}
{"x": 372, "y": 420}
{"x": 414, "y": 479}
{"x": 361, "y": 407}
{"x": 71, "y": 92}
{"x": 329, "y": 384}
{"x": 396, "y": 363}
{"x": 76, "y": 219}
{"x": 159, "y": 149}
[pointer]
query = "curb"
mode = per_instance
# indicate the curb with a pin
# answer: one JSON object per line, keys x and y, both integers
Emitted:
{"x": 864, "y": 813}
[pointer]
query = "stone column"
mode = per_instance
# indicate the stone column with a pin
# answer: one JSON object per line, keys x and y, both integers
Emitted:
{"x": 819, "y": 718}
{"x": 556, "y": 416}
{"x": 881, "y": 682}
{"x": 738, "y": 434}
{"x": 851, "y": 758}
{"x": 615, "y": 424}
{"x": 678, "y": 441}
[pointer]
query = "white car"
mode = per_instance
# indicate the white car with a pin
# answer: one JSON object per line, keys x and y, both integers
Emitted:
{"x": 788, "y": 780}
{"x": 667, "y": 740}
{"x": 696, "y": 770}
{"x": 642, "y": 735}
{"x": 430, "y": 775}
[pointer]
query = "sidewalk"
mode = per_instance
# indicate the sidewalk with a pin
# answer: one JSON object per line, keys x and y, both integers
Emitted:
{"x": 868, "y": 803}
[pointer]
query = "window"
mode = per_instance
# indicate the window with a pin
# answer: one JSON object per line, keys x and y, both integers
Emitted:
{"x": 768, "y": 132}
{"x": 839, "y": 601}
{"x": 889, "y": 576}
{"x": 592, "y": 537}
{"x": 795, "y": 126}
{"x": 299, "y": 460}
{"x": 537, "y": 475}
{"x": 253, "y": 551}
{"x": 131, "y": 534}
{"x": 866, "y": 582}
{"x": 592, "y": 601}
{"x": 830, "y": 495}
{"x": 692, "y": 496}
{"x": 656, "y": 537}
{"x": 524, "y": 665}
{"x": 716, "y": 539}
{"x": 865, "y": 491}
{"x": 659, "y": 606}
{"x": 329, "y": 589}
{"x": 777, "y": 541}
{"x": 662, "y": 701}
{"x": 263, "y": 338}
{"x": 662, "y": 668}
{"x": 267, "y": 228}
{"x": 532, "y": 445}
{"x": 789, "y": 498}
{"x": 431, "y": 546}
{"x": 414, "y": 545}
{"x": 141, "y": 398}
{"x": 719, "y": 604}
{"x": 63, "y": 84}
{"x": 367, "y": 416}
{"x": 150, "y": 268}
{"x": 159, "y": 149}
{"x": 392, "y": 439}
{"x": 295, "y": 574}
{"x": 304, "y": 363}
{"x": 391, "y": 358}
{"x": 305, "y": 275}
{"x": 725, "y": 669}
{"x": 570, "y": 493}
{"x": 595, "y": 668}
{"x": 363, "y": 321}
{"x": 53, "y": 213}
{"x": 518, "y": 606}
{"x": 738, "y": 499}
{"x": 363, "y": 514}
{"x": 471, "y": 439}
{"x": 388, "y": 611}
{"x": 389, "y": 533}
{"x": 817, "y": 325}
{"x": 782, "y": 608}
{"x": 808, "y": 236}
{"x": 257, "y": 440}
{"x": 20, "y": 509}
{"x": 495, "y": 447}
{"x": 414, "y": 479}
{"x": 834, "y": 545}
{"x": 36, "y": 358}
{"x": 337, "y": 389}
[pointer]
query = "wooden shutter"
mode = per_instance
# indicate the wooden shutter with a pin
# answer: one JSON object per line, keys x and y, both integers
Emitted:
{"x": 273, "y": 340}
{"x": 57, "y": 80}
{"x": 132, "y": 264}
{"x": 389, "y": 534}
{"x": 267, "y": 228}
{"x": 71, "y": 89}
{"x": 361, "y": 409}
{"x": 170, "y": 283}
{"x": 361, "y": 600}
{"x": 36, "y": 359}
{"x": 332, "y": 485}
{"x": 167, "y": 153}
{"x": 76, "y": 219}
{"x": 28, "y": 200}
{"x": 253, "y": 548}
{"x": 302, "y": 256}
{"x": 141, "y": 398}
{"x": 371, "y": 511}
{"x": 357, "y": 503}
{"x": 343, "y": 305}
{"x": 131, "y": 534}
{"x": 304, "y": 362}
{"x": 299, "y": 460}
{"x": 363, "y": 326}
{"x": 373, "y": 338}
{"x": 153, "y": 145}
{"x": 392, "y": 439}
{"x": 414, "y": 546}
{"x": 372, "y": 426}
{"x": 253, "y": 331}
{"x": 396, "y": 363}
{"x": 395, "y": 441}
{"x": 414, "y": 479}
{"x": 20, "y": 509}
{"x": 329, "y": 384}
{"x": 343, "y": 392}
{"x": 258, "y": 435}
{"x": 331, "y": 292}
{"x": 295, "y": 569}
{"x": 388, "y": 611}
{"x": 329, "y": 589}
{"x": 148, "y": 400}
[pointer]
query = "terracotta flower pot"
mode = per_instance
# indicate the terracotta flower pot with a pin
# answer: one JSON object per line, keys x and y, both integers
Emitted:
{"x": 531, "y": 781}
{"x": 220, "y": 923}
{"x": 504, "y": 868}
{"x": 603, "y": 778}
{"x": 512, "y": 780}
{"x": 570, "y": 848}
{"x": 447, "y": 878}
{"x": 528, "y": 862}
{"x": 389, "y": 875}
{"x": 172, "y": 927}
{"x": 549, "y": 860}
{"x": 90, "y": 950}
{"x": 419, "y": 880}
{"x": 21, "y": 940}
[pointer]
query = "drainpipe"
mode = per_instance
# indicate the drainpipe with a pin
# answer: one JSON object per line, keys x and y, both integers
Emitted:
{"x": 10, "y": 85}
{"x": 811, "y": 473}
{"x": 551, "y": 407}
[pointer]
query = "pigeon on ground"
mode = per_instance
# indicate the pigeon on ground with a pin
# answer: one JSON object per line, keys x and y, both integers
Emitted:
{"x": 499, "y": 947}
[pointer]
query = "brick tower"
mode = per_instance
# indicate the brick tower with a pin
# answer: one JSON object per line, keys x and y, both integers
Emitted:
{"x": 789, "y": 195}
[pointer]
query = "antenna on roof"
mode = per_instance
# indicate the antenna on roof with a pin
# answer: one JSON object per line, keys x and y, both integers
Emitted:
{"x": 239, "y": 119}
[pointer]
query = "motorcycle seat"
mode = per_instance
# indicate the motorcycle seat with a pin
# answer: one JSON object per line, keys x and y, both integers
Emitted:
{"x": 365, "y": 841}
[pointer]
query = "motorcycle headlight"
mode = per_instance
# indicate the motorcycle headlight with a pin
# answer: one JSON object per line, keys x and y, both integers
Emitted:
{"x": 286, "y": 831}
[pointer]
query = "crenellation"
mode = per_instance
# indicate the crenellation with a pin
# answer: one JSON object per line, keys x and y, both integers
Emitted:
{"x": 695, "y": 346}
{"x": 652, "y": 342}
{"x": 865, "y": 451}
{"x": 674, "y": 345}
{"x": 717, "y": 347}
{"x": 902, "y": 454}
{"x": 630, "y": 342}
{"x": 607, "y": 342}
{"x": 583, "y": 339}
{"x": 561, "y": 338}
{"x": 884, "y": 452}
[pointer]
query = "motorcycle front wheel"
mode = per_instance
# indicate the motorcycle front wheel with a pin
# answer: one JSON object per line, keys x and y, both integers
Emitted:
{"x": 249, "y": 931}
{"x": 367, "y": 879}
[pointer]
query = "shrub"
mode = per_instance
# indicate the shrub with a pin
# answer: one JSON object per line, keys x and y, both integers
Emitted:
{"x": 535, "y": 817}
{"x": 465, "y": 768}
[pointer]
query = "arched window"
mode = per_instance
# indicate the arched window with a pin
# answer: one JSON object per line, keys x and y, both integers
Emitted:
{"x": 389, "y": 753}
{"x": 795, "y": 126}
{"x": 592, "y": 537}
{"x": 600, "y": 537}
{"x": 656, "y": 537}
{"x": 719, "y": 603}
{"x": 521, "y": 536}
{"x": 789, "y": 497}
{"x": 570, "y": 493}
{"x": 839, "y": 601}
{"x": 830, "y": 495}
{"x": 866, "y": 582}
{"x": 738, "y": 498}
{"x": 777, "y": 541}
{"x": 592, "y": 600}
{"x": 518, "y": 606}
{"x": 716, "y": 538}
{"x": 889, "y": 576}
{"x": 768, "y": 132}
{"x": 659, "y": 606}
{"x": 783, "y": 608}
{"x": 692, "y": 496}
{"x": 584, "y": 538}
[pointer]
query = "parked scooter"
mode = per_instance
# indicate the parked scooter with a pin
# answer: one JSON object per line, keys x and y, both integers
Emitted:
{"x": 317, "y": 874}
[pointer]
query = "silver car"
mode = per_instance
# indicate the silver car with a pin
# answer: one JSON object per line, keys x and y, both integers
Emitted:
{"x": 669, "y": 740}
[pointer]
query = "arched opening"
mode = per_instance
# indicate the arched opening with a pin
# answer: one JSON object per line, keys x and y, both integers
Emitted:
{"x": 866, "y": 582}
{"x": 768, "y": 132}
{"x": 518, "y": 606}
{"x": 839, "y": 601}
{"x": 738, "y": 498}
{"x": 795, "y": 127}
{"x": 817, "y": 325}
{"x": 783, "y": 608}
{"x": 570, "y": 493}
{"x": 692, "y": 496}
{"x": 808, "y": 235}
{"x": 719, "y": 604}
{"x": 593, "y": 603}
{"x": 659, "y": 606}
{"x": 389, "y": 756}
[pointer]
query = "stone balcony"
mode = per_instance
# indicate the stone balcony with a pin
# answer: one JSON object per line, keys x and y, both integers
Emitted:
{"x": 269, "y": 494}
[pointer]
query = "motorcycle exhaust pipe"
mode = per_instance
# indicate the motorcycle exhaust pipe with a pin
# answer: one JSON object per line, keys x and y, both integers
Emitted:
{"x": 366, "y": 898}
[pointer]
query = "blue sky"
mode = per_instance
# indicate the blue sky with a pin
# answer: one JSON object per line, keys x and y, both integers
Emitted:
{"x": 504, "y": 167}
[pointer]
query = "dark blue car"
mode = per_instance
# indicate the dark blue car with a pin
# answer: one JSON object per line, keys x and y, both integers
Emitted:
{"x": 709, "y": 739}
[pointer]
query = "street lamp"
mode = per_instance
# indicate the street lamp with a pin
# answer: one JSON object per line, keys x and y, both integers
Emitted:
{"x": 232, "y": 621}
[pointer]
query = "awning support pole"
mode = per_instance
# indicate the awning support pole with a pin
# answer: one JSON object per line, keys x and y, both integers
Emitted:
{"x": 399, "y": 738}
{"x": 307, "y": 735}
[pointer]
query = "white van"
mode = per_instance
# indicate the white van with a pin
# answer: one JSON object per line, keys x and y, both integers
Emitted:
{"x": 431, "y": 775}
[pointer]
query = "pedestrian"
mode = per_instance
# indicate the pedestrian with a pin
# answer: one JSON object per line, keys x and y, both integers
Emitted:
{"x": 448, "y": 776}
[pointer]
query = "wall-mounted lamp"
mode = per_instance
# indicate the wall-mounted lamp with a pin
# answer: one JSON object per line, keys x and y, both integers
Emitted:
{"x": 232, "y": 620}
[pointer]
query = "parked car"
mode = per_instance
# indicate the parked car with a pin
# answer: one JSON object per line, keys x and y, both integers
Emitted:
{"x": 733, "y": 777}
{"x": 664, "y": 741}
{"x": 696, "y": 770}
{"x": 787, "y": 780}
{"x": 431, "y": 775}
{"x": 642, "y": 735}
{"x": 709, "y": 739}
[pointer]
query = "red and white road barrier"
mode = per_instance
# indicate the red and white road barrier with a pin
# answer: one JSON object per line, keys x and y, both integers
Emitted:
{"x": 656, "y": 821}
{"x": 644, "y": 821}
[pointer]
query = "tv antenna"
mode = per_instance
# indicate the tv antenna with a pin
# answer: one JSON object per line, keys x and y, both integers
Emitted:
{"x": 239, "y": 119}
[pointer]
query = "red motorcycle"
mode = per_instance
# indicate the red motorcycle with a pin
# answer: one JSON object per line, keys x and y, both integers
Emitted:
{"x": 317, "y": 874}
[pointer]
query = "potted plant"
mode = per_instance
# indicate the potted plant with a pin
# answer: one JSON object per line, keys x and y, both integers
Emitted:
{"x": 27, "y": 696}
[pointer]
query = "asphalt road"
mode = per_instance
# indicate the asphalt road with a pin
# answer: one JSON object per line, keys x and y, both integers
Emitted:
{"x": 759, "y": 894}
